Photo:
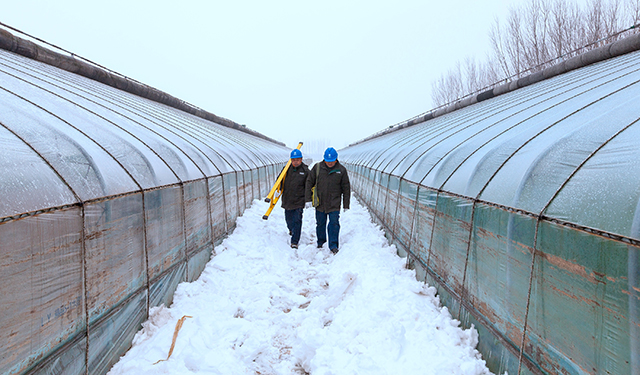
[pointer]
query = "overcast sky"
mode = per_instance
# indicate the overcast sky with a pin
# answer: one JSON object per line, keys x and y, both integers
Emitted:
{"x": 325, "y": 71}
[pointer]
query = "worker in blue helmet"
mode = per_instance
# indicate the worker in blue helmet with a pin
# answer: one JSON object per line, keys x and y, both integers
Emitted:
{"x": 332, "y": 188}
{"x": 293, "y": 195}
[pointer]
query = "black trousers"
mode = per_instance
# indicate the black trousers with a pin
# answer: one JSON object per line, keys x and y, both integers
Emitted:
{"x": 294, "y": 223}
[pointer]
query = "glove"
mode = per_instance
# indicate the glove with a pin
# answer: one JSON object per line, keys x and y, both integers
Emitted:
{"x": 308, "y": 205}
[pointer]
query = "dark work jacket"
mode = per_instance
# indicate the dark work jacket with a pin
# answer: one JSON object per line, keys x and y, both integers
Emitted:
{"x": 293, "y": 187}
{"x": 333, "y": 186}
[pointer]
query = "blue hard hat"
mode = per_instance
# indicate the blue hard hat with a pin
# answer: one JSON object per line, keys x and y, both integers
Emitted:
{"x": 295, "y": 154}
{"x": 330, "y": 154}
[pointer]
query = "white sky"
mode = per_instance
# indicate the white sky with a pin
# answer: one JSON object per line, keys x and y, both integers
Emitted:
{"x": 262, "y": 307}
{"x": 333, "y": 71}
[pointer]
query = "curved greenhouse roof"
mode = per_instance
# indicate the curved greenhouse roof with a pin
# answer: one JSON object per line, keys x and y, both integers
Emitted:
{"x": 565, "y": 148}
{"x": 68, "y": 139}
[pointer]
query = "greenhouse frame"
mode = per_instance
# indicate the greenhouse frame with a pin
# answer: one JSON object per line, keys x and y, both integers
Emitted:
{"x": 522, "y": 207}
{"x": 110, "y": 200}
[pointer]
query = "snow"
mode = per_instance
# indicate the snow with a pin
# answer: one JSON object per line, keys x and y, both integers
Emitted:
{"x": 260, "y": 307}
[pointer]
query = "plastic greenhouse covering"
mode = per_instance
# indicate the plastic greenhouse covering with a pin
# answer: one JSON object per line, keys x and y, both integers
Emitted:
{"x": 524, "y": 211}
{"x": 109, "y": 201}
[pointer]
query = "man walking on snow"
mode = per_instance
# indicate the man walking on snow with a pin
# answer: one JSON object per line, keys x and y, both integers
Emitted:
{"x": 332, "y": 186}
{"x": 293, "y": 195}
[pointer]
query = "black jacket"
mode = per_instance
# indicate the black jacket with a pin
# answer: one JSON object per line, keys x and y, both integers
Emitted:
{"x": 293, "y": 187}
{"x": 333, "y": 186}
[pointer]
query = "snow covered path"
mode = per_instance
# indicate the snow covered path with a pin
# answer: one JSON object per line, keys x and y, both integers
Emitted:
{"x": 261, "y": 307}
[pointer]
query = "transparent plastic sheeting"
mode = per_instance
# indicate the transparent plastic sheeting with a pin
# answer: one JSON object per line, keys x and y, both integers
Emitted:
{"x": 109, "y": 202}
{"x": 531, "y": 198}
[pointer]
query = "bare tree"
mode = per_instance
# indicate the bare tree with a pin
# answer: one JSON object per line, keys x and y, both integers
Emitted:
{"x": 472, "y": 79}
{"x": 567, "y": 31}
{"x": 535, "y": 33}
{"x": 558, "y": 33}
{"x": 632, "y": 9}
{"x": 533, "y": 37}
{"x": 453, "y": 82}
{"x": 439, "y": 91}
{"x": 515, "y": 42}
{"x": 595, "y": 22}
{"x": 448, "y": 87}
{"x": 498, "y": 48}
{"x": 491, "y": 72}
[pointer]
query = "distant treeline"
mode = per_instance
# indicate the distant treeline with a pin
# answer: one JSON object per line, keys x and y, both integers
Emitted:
{"x": 535, "y": 36}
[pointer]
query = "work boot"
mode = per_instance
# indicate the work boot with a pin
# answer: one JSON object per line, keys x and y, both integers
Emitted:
{"x": 334, "y": 251}
{"x": 294, "y": 245}
{"x": 320, "y": 245}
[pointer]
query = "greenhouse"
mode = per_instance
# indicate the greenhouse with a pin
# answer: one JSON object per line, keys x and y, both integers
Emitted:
{"x": 524, "y": 211}
{"x": 109, "y": 201}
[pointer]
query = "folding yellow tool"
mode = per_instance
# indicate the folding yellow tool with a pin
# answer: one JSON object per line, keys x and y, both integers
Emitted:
{"x": 276, "y": 190}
